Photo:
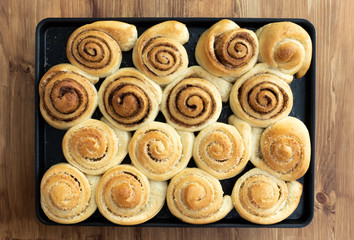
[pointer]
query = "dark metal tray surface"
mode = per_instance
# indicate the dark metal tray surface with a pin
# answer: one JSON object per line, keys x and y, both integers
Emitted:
{"x": 51, "y": 38}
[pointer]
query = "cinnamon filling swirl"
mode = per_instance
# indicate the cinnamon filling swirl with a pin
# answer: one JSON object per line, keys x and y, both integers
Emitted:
{"x": 235, "y": 48}
{"x": 66, "y": 97}
{"x": 92, "y": 51}
{"x": 127, "y": 104}
{"x": 190, "y": 104}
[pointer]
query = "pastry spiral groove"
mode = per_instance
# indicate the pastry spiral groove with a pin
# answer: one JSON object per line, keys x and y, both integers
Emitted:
{"x": 159, "y": 151}
{"x": 283, "y": 149}
{"x": 159, "y": 52}
{"x": 125, "y": 196}
{"x": 261, "y": 96}
{"x": 196, "y": 197}
{"x": 287, "y": 46}
{"x": 226, "y": 50}
{"x": 191, "y": 104}
{"x": 127, "y": 99}
{"x": 67, "y": 196}
{"x": 262, "y": 198}
{"x": 67, "y": 96}
{"x": 93, "y": 146}
{"x": 96, "y": 47}
{"x": 221, "y": 150}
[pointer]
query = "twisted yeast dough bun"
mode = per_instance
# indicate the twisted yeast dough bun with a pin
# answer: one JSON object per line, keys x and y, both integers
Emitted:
{"x": 97, "y": 48}
{"x": 226, "y": 50}
{"x": 287, "y": 46}
{"x": 67, "y": 96}
{"x": 159, "y": 52}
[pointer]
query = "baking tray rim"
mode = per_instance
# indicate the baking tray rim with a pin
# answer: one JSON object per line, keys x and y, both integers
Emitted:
{"x": 312, "y": 113}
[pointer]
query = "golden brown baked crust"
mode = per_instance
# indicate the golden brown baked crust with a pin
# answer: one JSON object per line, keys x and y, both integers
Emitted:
{"x": 67, "y": 96}
{"x": 262, "y": 96}
{"x": 287, "y": 46}
{"x": 223, "y": 86}
{"x": 221, "y": 150}
{"x": 226, "y": 50}
{"x": 67, "y": 195}
{"x": 196, "y": 197}
{"x": 262, "y": 198}
{"x": 96, "y": 47}
{"x": 159, "y": 52}
{"x": 93, "y": 146}
{"x": 283, "y": 149}
{"x": 159, "y": 151}
{"x": 128, "y": 99}
{"x": 125, "y": 196}
{"x": 191, "y": 104}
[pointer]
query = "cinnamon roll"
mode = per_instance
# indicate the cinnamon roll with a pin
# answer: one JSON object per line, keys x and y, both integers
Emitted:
{"x": 223, "y": 86}
{"x": 159, "y": 52}
{"x": 96, "y": 47}
{"x": 125, "y": 196}
{"x": 159, "y": 151}
{"x": 128, "y": 99}
{"x": 261, "y": 198}
{"x": 94, "y": 147}
{"x": 287, "y": 46}
{"x": 67, "y": 195}
{"x": 191, "y": 104}
{"x": 67, "y": 96}
{"x": 226, "y": 50}
{"x": 262, "y": 96}
{"x": 283, "y": 149}
{"x": 196, "y": 197}
{"x": 221, "y": 149}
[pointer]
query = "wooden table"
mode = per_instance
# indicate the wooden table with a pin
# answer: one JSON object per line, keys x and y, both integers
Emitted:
{"x": 334, "y": 191}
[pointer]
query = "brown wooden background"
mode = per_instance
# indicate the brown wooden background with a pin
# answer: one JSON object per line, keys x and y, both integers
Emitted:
{"x": 334, "y": 188}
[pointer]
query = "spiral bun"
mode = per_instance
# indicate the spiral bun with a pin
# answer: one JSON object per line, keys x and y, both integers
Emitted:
{"x": 128, "y": 99}
{"x": 191, "y": 103}
{"x": 221, "y": 149}
{"x": 287, "y": 46}
{"x": 159, "y": 52}
{"x": 67, "y": 195}
{"x": 226, "y": 50}
{"x": 283, "y": 149}
{"x": 93, "y": 146}
{"x": 261, "y": 198}
{"x": 262, "y": 96}
{"x": 159, "y": 151}
{"x": 196, "y": 197}
{"x": 67, "y": 96}
{"x": 96, "y": 47}
{"x": 126, "y": 197}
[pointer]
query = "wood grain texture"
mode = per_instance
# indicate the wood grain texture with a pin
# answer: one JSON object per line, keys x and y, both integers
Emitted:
{"x": 334, "y": 192}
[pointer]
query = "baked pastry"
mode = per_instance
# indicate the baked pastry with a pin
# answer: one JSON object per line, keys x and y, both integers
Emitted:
{"x": 226, "y": 50}
{"x": 191, "y": 104}
{"x": 221, "y": 149}
{"x": 262, "y": 96}
{"x": 67, "y": 96}
{"x": 159, "y": 52}
{"x": 96, "y": 47}
{"x": 196, "y": 197}
{"x": 128, "y": 99}
{"x": 67, "y": 195}
{"x": 261, "y": 198}
{"x": 125, "y": 196}
{"x": 222, "y": 85}
{"x": 159, "y": 151}
{"x": 94, "y": 147}
{"x": 283, "y": 149}
{"x": 287, "y": 46}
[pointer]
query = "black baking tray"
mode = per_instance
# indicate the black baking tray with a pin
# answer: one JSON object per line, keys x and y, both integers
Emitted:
{"x": 51, "y": 37}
